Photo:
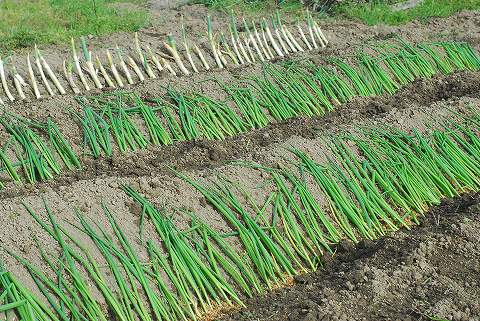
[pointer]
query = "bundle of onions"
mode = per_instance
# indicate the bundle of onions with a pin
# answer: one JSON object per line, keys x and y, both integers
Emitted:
{"x": 252, "y": 40}
{"x": 275, "y": 46}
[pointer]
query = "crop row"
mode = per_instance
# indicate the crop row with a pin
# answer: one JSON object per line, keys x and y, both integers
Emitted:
{"x": 370, "y": 184}
{"x": 242, "y": 47}
{"x": 287, "y": 90}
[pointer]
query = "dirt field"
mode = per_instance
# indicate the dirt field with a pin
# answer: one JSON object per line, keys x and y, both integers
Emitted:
{"x": 429, "y": 272}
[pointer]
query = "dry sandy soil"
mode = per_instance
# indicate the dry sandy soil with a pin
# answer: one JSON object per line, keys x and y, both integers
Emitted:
{"x": 432, "y": 270}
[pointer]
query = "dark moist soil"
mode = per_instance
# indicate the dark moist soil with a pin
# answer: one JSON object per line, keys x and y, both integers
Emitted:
{"x": 202, "y": 154}
{"x": 431, "y": 272}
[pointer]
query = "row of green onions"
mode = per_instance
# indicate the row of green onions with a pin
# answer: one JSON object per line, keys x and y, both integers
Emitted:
{"x": 35, "y": 149}
{"x": 368, "y": 185}
{"x": 286, "y": 90}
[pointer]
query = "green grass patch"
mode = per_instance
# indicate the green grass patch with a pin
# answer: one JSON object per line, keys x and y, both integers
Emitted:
{"x": 380, "y": 12}
{"x": 255, "y": 7}
{"x": 25, "y": 23}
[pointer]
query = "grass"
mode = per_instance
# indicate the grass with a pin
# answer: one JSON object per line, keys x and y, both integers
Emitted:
{"x": 380, "y": 12}
{"x": 255, "y": 7}
{"x": 371, "y": 12}
{"x": 25, "y": 23}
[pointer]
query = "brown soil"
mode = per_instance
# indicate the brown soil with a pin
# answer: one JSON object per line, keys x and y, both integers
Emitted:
{"x": 430, "y": 271}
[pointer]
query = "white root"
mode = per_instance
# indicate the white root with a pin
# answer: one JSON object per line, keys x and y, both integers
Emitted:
{"x": 235, "y": 48}
{"x": 319, "y": 36}
{"x": 213, "y": 44}
{"x": 243, "y": 51}
{"x": 292, "y": 39}
{"x": 259, "y": 41}
{"x": 168, "y": 66}
{"x": 252, "y": 40}
{"x": 249, "y": 49}
{"x": 93, "y": 73}
{"x": 104, "y": 73}
{"x": 282, "y": 44}
{"x": 228, "y": 50}
{"x": 18, "y": 81}
{"x": 52, "y": 76}
{"x": 1, "y": 102}
{"x": 114, "y": 70}
{"x": 69, "y": 76}
{"x": 272, "y": 40}
{"x": 201, "y": 56}
{"x": 18, "y": 86}
{"x": 320, "y": 33}
{"x": 4, "y": 82}
{"x": 265, "y": 41}
{"x": 78, "y": 69}
{"x": 124, "y": 67}
{"x": 154, "y": 59}
{"x": 187, "y": 48}
{"x": 135, "y": 68}
{"x": 42, "y": 74}
{"x": 142, "y": 58}
{"x": 215, "y": 53}
{"x": 22, "y": 81}
{"x": 33, "y": 81}
{"x": 222, "y": 58}
{"x": 310, "y": 30}
{"x": 190, "y": 59}
{"x": 304, "y": 38}
{"x": 287, "y": 39}
{"x": 257, "y": 49}
{"x": 172, "y": 49}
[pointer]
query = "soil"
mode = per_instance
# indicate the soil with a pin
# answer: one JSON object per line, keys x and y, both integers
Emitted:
{"x": 436, "y": 255}
{"x": 429, "y": 272}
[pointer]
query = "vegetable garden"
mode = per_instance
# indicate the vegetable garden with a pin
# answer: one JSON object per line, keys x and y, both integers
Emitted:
{"x": 85, "y": 236}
